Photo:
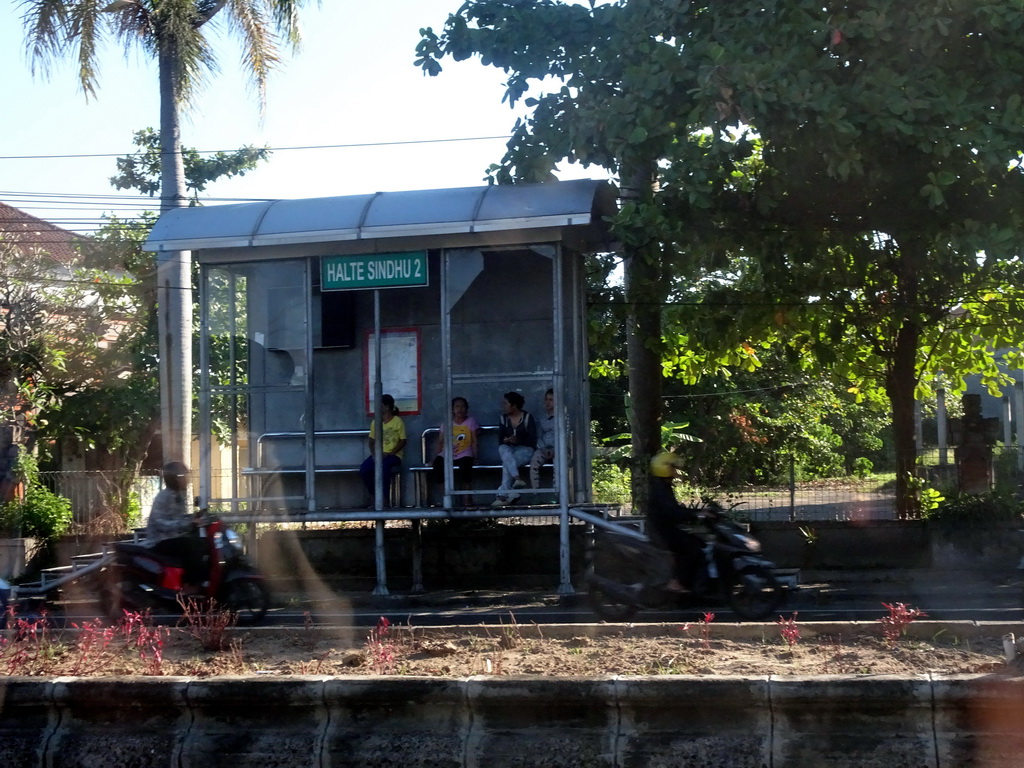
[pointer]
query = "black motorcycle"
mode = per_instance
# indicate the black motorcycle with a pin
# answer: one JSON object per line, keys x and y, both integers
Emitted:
{"x": 630, "y": 572}
{"x": 140, "y": 578}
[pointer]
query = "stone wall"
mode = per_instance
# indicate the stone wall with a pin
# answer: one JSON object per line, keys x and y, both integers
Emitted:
{"x": 891, "y": 544}
{"x": 697, "y": 722}
{"x": 15, "y": 556}
{"x": 501, "y": 556}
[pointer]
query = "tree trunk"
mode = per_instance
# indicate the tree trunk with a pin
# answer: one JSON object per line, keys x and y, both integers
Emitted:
{"x": 901, "y": 378}
{"x": 644, "y": 291}
{"x": 900, "y": 384}
{"x": 174, "y": 278}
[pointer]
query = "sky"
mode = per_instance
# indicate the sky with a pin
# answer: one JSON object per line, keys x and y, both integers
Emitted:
{"x": 376, "y": 121}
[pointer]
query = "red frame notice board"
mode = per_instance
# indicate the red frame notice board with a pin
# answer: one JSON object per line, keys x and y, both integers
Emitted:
{"x": 400, "y": 368}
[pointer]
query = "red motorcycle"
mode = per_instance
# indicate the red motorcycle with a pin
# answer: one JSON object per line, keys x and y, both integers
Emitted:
{"x": 141, "y": 579}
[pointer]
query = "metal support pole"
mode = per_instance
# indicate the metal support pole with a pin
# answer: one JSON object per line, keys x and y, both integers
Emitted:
{"x": 205, "y": 408}
{"x": 792, "y": 488}
{"x": 940, "y": 423}
{"x": 309, "y": 419}
{"x": 1007, "y": 423}
{"x": 417, "y": 556}
{"x": 448, "y": 465}
{"x": 378, "y": 454}
{"x": 564, "y": 572}
{"x": 382, "y": 573}
{"x": 561, "y": 449}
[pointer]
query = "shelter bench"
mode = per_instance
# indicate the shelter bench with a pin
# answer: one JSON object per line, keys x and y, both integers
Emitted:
{"x": 268, "y": 466}
{"x": 421, "y": 474}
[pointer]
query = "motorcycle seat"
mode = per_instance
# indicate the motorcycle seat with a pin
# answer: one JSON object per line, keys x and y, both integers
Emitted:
{"x": 129, "y": 549}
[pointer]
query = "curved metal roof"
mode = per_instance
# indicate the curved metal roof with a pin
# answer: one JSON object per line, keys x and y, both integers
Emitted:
{"x": 385, "y": 215}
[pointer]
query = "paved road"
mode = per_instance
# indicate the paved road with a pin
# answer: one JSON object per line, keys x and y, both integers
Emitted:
{"x": 824, "y": 596}
{"x": 857, "y": 596}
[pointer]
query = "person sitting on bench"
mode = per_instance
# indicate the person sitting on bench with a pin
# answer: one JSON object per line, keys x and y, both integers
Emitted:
{"x": 465, "y": 437}
{"x": 393, "y": 445}
{"x": 517, "y": 440}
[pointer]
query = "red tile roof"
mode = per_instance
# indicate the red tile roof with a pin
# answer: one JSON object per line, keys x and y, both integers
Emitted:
{"x": 34, "y": 233}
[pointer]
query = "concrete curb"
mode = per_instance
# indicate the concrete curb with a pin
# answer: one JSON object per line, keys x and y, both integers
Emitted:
{"x": 614, "y": 721}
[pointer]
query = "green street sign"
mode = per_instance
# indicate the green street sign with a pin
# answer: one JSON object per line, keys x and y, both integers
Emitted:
{"x": 374, "y": 270}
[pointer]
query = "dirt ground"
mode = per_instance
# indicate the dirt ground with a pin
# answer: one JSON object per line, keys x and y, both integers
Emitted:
{"x": 510, "y": 649}
{"x": 210, "y": 648}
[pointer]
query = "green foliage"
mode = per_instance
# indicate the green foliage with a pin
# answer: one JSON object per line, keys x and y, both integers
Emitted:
{"x": 116, "y": 409}
{"x": 975, "y": 510}
{"x": 924, "y": 499}
{"x": 757, "y": 426}
{"x": 842, "y": 179}
{"x": 39, "y": 513}
{"x": 672, "y": 434}
{"x": 1006, "y": 475}
{"x": 133, "y": 510}
{"x": 610, "y": 483}
{"x": 141, "y": 170}
{"x": 49, "y": 327}
{"x": 863, "y": 467}
{"x": 57, "y": 28}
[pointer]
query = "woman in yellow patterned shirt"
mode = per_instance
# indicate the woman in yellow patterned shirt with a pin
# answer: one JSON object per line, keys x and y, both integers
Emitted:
{"x": 465, "y": 438}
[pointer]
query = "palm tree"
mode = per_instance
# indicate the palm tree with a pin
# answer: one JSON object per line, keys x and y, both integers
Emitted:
{"x": 171, "y": 31}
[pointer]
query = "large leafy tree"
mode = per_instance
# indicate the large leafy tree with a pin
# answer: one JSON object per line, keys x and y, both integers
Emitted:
{"x": 112, "y": 414}
{"x": 591, "y": 116}
{"x": 173, "y": 33}
{"x": 52, "y": 320}
{"x": 860, "y": 163}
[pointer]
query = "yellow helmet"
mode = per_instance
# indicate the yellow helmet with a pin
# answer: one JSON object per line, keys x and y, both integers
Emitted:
{"x": 666, "y": 464}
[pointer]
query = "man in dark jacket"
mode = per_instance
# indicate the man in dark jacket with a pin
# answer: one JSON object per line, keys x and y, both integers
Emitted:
{"x": 170, "y": 529}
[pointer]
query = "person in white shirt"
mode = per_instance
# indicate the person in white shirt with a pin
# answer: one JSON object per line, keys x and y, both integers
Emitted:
{"x": 545, "y": 450}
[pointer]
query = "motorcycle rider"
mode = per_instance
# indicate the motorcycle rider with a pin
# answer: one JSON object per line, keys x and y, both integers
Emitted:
{"x": 667, "y": 519}
{"x": 170, "y": 529}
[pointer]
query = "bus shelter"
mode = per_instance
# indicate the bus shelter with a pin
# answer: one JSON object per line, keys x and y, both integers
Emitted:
{"x": 310, "y": 309}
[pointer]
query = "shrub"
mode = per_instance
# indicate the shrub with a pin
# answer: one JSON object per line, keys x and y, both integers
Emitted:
{"x": 925, "y": 499}
{"x": 40, "y": 512}
{"x": 863, "y": 467}
{"x": 970, "y": 510}
{"x": 894, "y": 626}
{"x": 133, "y": 510}
{"x": 611, "y": 484}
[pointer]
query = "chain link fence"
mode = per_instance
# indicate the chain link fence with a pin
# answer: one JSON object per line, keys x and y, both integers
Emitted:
{"x": 93, "y": 495}
{"x": 96, "y": 495}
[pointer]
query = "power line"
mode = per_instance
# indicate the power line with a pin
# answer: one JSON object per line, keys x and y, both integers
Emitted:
{"x": 357, "y": 145}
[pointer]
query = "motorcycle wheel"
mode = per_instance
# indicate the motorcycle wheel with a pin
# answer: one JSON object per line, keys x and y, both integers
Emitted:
{"x": 754, "y": 594}
{"x": 249, "y": 599}
{"x": 609, "y": 607}
{"x": 110, "y": 591}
